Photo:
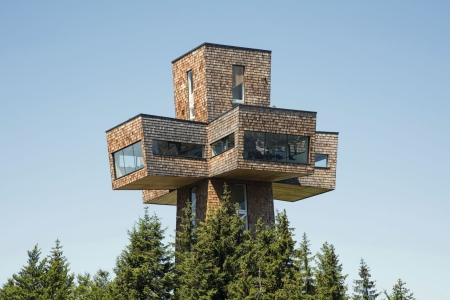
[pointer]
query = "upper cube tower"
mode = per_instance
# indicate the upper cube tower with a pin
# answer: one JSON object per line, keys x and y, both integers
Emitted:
{"x": 210, "y": 79}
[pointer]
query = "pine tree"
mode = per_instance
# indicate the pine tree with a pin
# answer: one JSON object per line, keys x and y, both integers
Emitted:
{"x": 306, "y": 270}
{"x": 266, "y": 264}
{"x": 29, "y": 282}
{"x": 364, "y": 288}
{"x": 59, "y": 283}
{"x": 207, "y": 267}
{"x": 144, "y": 270}
{"x": 400, "y": 292}
{"x": 96, "y": 288}
{"x": 330, "y": 282}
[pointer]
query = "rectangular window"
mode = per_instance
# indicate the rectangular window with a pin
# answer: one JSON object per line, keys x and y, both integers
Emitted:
{"x": 238, "y": 85}
{"x": 240, "y": 196}
{"x": 128, "y": 160}
{"x": 193, "y": 200}
{"x": 191, "y": 95}
{"x": 222, "y": 145}
{"x": 276, "y": 147}
{"x": 254, "y": 145}
{"x": 321, "y": 160}
{"x": 178, "y": 149}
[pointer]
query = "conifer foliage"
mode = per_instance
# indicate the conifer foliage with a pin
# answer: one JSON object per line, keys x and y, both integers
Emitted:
{"x": 306, "y": 271}
{"x": 29, "y": 282}
{"x": 364, "y": 287}
{"x": 400, "y": 292}
{"x": 144, "y": 270}
{"x": 41, "y": 279}
{"x": 330, "y": 282}
{"x": 97, "y": 287}
{"x": 207, "y": 263}
{"x": 58, "y": 281}
{"x": 215, "y": 259}
{"x": 266, "y": 264}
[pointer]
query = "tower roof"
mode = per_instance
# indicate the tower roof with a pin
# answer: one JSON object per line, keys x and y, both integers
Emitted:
{"x": 220, "y": 46}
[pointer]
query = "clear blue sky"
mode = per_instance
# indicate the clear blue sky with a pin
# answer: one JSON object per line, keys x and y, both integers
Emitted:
{"x": 378, "y": 72}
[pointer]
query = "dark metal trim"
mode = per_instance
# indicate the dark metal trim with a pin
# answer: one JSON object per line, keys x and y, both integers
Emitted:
{"x": 204, "y": 123}
{"x": 179, "y": 156}
{"x": 153, "y": 116}
{"x": 220, "y": 46}
{"x": 328, "y": 132}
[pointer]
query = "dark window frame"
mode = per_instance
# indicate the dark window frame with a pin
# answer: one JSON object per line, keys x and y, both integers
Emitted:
{"x": 136, "y": 167}
{"x": 315, "y": 161}
{"x": 242, "y": 211}
{"x": 178, "y": 146}
{"x": 193, "y": 190}
{"x": 266, "y": 156}
{"x": 230, "y": 137}
{"x": 237, "y": 101}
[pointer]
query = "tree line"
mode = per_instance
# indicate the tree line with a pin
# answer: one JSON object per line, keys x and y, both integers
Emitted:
{"x": 215, "y": 259}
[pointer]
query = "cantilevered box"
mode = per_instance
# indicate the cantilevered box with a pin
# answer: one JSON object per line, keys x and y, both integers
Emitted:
{"x": 224, "y": 131}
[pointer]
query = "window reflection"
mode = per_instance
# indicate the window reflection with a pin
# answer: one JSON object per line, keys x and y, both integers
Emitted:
{"x": 254, "y": 145}
{"x": 240, "y": 197}
{"x": 276, "y": 147}
{"x": 177, "y": 149}
{"x": 193, "y": 206}
{"x": 128, "y": 160}
{"x": 222, "y": 145}
{"x": 321, "y": 160}
{"x": 238, "y": 85}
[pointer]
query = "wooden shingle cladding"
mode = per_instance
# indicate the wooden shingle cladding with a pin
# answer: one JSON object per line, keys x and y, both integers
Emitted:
{"x": 211, "y": 66}
{"x": 280, "y": 121}
{"x": 162, "y": 197}
{"x": 323, "y": 180}
{"x": 160, "y": 171}
{"x": 209, "y": 191}
{"x": 163, "y": 172}
{"x": 326, "y": 143}
{"x": 167, "y": 179}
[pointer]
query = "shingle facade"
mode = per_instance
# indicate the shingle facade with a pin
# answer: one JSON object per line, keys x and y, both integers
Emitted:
{"x": 168, "y": 179}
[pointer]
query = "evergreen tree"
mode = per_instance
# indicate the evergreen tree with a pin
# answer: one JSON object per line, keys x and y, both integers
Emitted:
{"x": 364, "y": 288}
{"x": 29, "y": 282}
{"x": 400, "y": 292}
{"x": 96, "y": 288}
{"x": 306, "y": 270}
{"x": 266, "y": 264}
{"x": 207, "y": 264}
{"x": 58, "y": 282}
{"x": 330, "y": 282}
{"x": 144, "y": 270}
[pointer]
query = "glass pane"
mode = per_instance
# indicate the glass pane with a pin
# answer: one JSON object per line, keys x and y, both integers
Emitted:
{"x": 230, "y": 141}
{"x": 137, "y": 150}
{"x": 190, "y": 150}
{"x": 190, "y": 83}
{"x": 222, "y": 145}
{"x": 240, "y": 196}
{"x": 155, "y": 147}
{"x": 238, "y": 82}
{"x": 177, "y": 149}
{"x": 298, "y": 149}
{"x": 160, "y": 147}
{"x": 217, "y": 148}
{"x": 173, "y": 148}
{"x": 129, "y": 160}
{"x": 321, "y": 160}
{"x": 254, "y": 147}
{"x": 191, "y": 96}
{"x": 276, "y": 146}
{"x": 193, "y": 199}
{"x": 118, "y": 164}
